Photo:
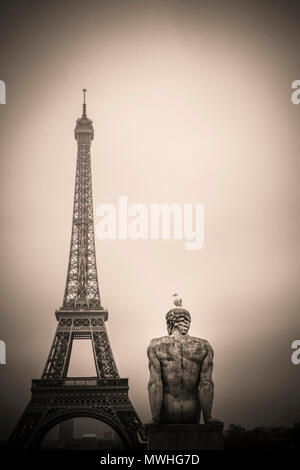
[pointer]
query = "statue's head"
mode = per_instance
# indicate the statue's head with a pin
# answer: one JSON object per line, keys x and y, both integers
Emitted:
{"x": 178, "y": 318}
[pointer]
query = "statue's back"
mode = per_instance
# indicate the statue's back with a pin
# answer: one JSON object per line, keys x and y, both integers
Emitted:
{"x": 181, "y": 360}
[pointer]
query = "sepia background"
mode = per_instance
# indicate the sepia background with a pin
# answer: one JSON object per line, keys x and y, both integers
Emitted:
{"x": 191, "y": 103}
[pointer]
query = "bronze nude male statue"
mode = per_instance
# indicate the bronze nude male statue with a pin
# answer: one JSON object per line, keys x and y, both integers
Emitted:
{"x": 180, "y": 365}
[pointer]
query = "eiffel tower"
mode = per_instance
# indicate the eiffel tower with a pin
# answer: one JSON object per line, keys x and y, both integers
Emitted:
{"x": 55, "y": 397}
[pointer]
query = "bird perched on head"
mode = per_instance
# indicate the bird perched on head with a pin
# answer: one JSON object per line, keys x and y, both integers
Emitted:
{"x": 177, "y": 300}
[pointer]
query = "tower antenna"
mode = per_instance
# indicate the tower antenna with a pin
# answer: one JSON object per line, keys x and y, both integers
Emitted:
{"x": 84, "y": 103}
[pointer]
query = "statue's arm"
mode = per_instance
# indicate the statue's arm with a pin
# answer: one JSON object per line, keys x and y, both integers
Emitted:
{"x": 206, "y": 387}
{"x": 155, "y": 385}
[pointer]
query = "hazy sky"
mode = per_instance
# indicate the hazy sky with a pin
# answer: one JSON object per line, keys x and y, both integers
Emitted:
{"x": 191, "y": 104}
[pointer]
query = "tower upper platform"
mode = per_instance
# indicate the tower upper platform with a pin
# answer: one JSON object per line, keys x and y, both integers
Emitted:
{"x": 84, "y": 125}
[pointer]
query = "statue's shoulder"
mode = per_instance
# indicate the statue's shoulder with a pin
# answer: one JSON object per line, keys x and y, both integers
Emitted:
{"x": 201, "y": 342}
{"x": 155, "y": 342}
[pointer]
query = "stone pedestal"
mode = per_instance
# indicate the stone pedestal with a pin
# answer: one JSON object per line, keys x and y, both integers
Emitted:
{"x": 185, "y": 436}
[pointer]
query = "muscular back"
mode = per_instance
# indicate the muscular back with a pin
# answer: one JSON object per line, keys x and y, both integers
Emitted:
{"x": 178, "y": 363}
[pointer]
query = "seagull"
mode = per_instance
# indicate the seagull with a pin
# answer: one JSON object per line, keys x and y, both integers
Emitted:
{"x": 177, "y": 300}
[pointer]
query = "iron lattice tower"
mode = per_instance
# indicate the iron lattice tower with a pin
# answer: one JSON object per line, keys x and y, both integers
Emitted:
{"x": 55, "y": 397}
{"x": 82, "y": 288}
